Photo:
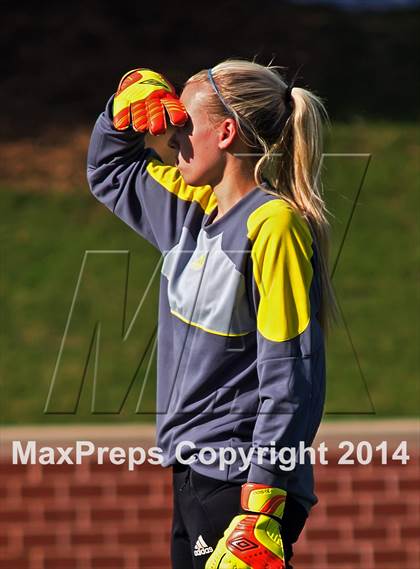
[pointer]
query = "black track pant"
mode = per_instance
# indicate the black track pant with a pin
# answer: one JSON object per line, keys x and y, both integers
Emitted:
{"x": 203, "y": 509}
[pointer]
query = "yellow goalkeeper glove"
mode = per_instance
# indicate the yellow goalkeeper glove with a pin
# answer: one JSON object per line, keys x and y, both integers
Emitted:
{"x": 141, "y": 100}
{"x": 253, "y": 541}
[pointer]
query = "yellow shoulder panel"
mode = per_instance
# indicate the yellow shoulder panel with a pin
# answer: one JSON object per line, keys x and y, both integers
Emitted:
{"x": 170, "y": 178}
{"x": 282, "y": 269}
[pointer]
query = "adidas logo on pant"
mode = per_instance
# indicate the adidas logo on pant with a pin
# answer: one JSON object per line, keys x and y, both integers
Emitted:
{"x": 201, "y": 547}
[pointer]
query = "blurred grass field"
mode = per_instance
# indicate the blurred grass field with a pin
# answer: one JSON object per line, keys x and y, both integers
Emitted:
{"x": 373, "y": 354}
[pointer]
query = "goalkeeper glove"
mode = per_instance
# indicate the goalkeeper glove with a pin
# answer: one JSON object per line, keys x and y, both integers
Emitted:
{"x": 253, "y": 541}
{"x": 141, "y": 99}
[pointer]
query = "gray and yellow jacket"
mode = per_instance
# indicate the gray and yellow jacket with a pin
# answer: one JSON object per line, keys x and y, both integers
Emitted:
{"x": 240, "y": 349}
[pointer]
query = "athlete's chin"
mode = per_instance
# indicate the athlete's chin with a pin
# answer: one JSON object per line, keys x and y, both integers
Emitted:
{"x": 190, "y": 177}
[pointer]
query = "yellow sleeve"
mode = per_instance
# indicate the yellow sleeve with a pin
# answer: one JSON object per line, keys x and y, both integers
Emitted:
{"x": 281, "y": 258}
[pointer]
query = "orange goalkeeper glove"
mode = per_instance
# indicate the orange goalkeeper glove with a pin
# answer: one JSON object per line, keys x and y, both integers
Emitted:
{"x": 253, "y": 541}
{"x": 141, "y": 100}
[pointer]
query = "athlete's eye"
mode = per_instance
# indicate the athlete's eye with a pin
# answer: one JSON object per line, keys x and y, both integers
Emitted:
{"x": 188, "y": 125}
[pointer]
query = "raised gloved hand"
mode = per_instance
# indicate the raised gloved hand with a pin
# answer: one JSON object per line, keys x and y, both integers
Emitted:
{"x": 253, "y": 541}
{"x": 141, "y": 100}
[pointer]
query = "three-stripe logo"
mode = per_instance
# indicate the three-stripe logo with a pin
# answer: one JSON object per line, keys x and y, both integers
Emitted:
{"x": 201, "y": 547}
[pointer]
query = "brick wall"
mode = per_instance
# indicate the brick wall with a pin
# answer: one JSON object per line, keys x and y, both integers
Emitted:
{"x": 92, "y": 516}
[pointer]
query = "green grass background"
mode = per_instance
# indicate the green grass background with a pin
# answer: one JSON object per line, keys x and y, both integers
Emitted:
{"x": 373, "y": 355}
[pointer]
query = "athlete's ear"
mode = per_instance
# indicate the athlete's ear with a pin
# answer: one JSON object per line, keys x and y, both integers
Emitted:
{"x": 228, "y": 130}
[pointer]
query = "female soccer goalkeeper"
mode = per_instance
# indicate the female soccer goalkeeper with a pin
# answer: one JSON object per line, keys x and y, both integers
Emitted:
{"x": 245, "y": 296}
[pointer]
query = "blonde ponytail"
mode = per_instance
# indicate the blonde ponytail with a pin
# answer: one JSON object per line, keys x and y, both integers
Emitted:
{"x": 284, "y": 127}
{"x": 293, "y": 167}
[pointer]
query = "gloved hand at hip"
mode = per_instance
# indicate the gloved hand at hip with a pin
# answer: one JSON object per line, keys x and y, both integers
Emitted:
{"x": 253, "y": 541}
{"x": 141, "y": 100}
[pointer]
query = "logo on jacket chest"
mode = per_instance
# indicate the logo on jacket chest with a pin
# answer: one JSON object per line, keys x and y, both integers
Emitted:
{"x": 198, "y": 263}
